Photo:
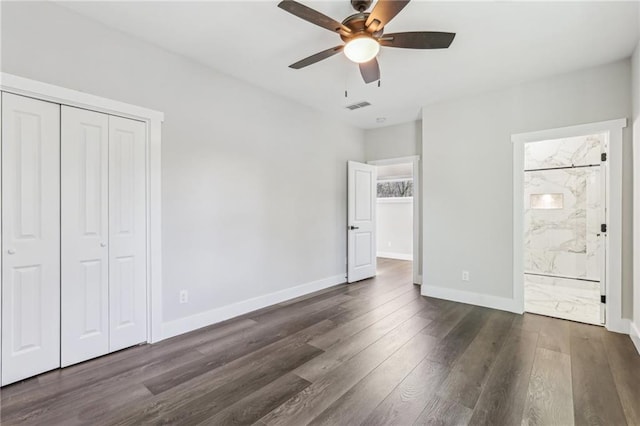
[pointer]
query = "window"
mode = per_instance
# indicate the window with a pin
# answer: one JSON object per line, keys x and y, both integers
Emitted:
{"x": 395, "y": 188}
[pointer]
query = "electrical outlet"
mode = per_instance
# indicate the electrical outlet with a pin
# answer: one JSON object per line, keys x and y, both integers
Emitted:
{"x": 465, "y": 275}
{"x": 184, "y": 296}
{"x": 388, "y": 243}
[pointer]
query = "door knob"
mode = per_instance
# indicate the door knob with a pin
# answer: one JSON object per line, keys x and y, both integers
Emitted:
{"x": 103, "y": 244}
{"x": 11, "y": 251}
{"x": 354, "y": 227}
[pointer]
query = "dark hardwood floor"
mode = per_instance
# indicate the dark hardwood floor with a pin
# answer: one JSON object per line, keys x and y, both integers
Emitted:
{"x": 374, "y": 352}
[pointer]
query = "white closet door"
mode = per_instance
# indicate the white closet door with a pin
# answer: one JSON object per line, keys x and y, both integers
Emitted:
{"x": 30, "y": 237}
{"x": 127, "y": 233}
{"x": 85, "y": 234}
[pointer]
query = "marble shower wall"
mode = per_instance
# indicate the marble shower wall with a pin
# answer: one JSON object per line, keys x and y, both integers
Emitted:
{"x": 562, "y": 217}
{"x": 576, "y": 151}
{"x": 563, "y": 298}
{"x": 562, "y": 239}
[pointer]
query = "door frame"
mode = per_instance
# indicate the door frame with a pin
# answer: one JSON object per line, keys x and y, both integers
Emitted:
{"x": 415, "y": 161}
{"x": 153, "y": 122}
{"x": 613, "y": 216}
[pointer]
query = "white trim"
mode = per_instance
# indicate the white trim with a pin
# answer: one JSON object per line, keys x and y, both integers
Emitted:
{"x": 417, "y": 218}
{"x": 394, "y": 161}
{"x": 61, "y": 95}
{"x": 154, "y": 230}
{"x": 1, "y": 248}
{"x": 634, "y": 333}
{"x": 394, "y": 179}
{"x": 153, "y": 120}
{"x": 203, "y": 319}
{"x": 635, "y": 325}
{"x": 624, "y": 326}
{"x": 478, "y": 299}
{"x": 391, "y": 255}
{"x": 613, "y": 241}
{"x": 394, "y": 200}
{"x": 570, "y": 131}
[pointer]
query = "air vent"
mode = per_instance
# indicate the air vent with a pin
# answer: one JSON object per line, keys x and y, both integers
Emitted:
{"x": 358, "y": 105}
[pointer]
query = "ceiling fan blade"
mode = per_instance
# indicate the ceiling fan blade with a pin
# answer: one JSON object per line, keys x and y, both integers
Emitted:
{"x": 370, "y": 71}
{"x": 316, "y": 58}
{"x": 418, "y": 40}
{"x": 383, "y": 12}
{"x": 313, "y": 16}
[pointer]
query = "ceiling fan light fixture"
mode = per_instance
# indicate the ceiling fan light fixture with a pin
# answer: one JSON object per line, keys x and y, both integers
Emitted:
{"x": 361, "y": 49}
{"x": 363, "y": 34}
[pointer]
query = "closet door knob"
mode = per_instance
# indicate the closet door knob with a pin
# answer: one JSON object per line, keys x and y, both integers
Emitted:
{"x": 11, "y": 251}
{"x": 103, "y": 244}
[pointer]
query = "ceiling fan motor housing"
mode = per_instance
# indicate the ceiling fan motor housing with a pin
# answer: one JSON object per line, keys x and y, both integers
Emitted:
{"x": 361, "y": 5}
{"x": 356, "y": 23}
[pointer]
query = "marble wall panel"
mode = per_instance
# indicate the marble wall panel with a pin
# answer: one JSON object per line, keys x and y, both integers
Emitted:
{"x": 576, "y": 151}
{"x": 563, "y": 241}
{"x": 563, "y": 298}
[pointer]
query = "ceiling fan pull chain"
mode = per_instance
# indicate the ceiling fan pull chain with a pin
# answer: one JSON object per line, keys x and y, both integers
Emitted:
{"x": 346, "y": 86}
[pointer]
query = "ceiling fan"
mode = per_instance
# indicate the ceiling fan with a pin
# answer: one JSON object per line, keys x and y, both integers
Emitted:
{"x": 363, "y": 34}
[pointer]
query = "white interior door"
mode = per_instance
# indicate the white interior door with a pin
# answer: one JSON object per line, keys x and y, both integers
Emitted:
{"x": 127, "y": 233}
{"x": 361, "y": 224}
{"x": 85, "y": 234}
{"x": 30, "y": 237}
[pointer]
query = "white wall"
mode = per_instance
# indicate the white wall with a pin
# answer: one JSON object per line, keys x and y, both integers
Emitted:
{"x": 635, "y": 90}
{"x": 394, "y": 228}
{"x": 401, "y": 140}
{"x": 254, "y": 186}
{"x": 468, "y": 176}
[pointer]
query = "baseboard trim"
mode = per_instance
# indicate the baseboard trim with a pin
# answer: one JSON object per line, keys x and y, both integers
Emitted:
{"x": 634, "y": 333}
{"x": 488, "y": 301}
{"x": 619, "y": 325}
{"x": 391, "y": 255}
{"x": 203, "y": 319}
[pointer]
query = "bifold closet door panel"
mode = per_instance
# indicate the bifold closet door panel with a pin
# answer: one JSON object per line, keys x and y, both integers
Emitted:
{"x": 127, "y": 233}
{"x": 85, "y": 235}
{"x": 30, "y": 237}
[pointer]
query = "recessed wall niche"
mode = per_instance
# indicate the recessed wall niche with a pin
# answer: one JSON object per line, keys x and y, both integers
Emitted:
{"x": 547, "y": 201}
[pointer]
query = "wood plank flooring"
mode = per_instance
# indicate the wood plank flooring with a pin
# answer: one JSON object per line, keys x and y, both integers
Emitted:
{"x": 369, "y": 353}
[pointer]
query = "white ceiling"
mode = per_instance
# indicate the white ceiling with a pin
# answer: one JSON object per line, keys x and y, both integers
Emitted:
{"x": 497, "y": 44}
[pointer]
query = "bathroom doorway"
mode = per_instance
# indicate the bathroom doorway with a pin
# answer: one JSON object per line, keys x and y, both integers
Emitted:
{"x": 565, "y": 228}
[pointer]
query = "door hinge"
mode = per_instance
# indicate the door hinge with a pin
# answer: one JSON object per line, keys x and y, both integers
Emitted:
{"x": 603, "y": 227}
{"x": 603, "y": 156}
{"x": 603, "y": 298}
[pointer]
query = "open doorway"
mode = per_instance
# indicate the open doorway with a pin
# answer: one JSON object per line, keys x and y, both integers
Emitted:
{"x": 397, "y": 212}
{"x": 564, "y": 227}
{"x": 573, "y": 261}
